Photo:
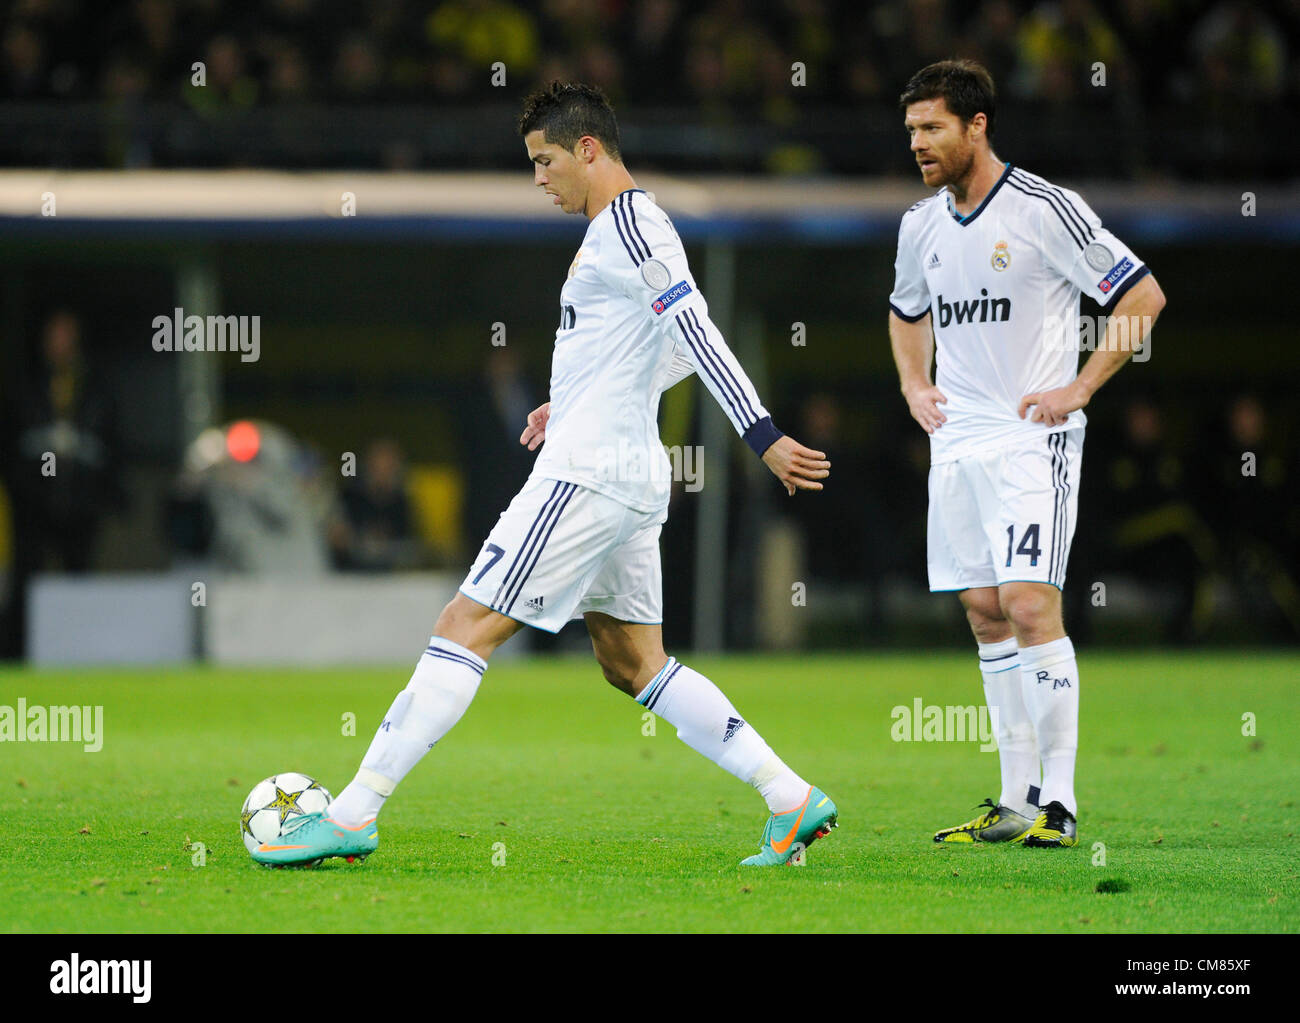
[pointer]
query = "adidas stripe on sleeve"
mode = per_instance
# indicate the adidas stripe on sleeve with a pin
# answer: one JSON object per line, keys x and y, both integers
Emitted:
{"x": 1076, "y": 244}
{"x": 649, "y": 266}
{"x": 910, "y": 299}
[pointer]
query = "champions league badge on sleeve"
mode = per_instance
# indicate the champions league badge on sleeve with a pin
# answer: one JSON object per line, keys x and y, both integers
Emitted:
{"x": 1099, "y": 257}
{"x": 655, "y": 274}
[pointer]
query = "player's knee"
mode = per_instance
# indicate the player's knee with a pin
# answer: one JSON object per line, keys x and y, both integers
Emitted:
{"x": 1032, "y": 610}
{"x": 452, "y": 622}
{"x": 984, "y": 614}
{"x": 987, "y": 628}
{"x": 473, "y": 626}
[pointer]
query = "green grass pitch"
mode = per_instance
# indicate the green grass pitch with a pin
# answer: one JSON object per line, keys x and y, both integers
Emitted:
{"x": 548, "y": 809}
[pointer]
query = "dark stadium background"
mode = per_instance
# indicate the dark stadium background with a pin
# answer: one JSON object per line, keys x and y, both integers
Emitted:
{"x": 384, "y": 335}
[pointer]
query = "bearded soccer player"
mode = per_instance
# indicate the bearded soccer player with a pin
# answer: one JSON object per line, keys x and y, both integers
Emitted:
{"x": 581, "y": 539}
{"x": 989, "y": 273}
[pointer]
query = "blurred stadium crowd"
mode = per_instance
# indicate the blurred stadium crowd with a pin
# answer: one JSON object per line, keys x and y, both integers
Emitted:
{"x": 271, "y": 51}
{"x": 1230, "y": 62}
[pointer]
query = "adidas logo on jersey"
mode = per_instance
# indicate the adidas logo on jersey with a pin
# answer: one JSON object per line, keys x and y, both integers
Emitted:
{"x": 535, "y": 603}
{"x": 734, "y": 725}
{"x": 934, "y": 263}
{"x": 974, "y": 310}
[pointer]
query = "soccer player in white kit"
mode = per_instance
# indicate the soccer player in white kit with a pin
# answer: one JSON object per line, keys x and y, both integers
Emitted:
{"x": 989, "y": 273}
{"x": 581, "y": 539}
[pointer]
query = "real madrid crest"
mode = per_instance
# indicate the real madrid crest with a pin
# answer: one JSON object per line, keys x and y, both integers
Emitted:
{"x": 573, "y": 267}
{"x": 1001, "y": 257}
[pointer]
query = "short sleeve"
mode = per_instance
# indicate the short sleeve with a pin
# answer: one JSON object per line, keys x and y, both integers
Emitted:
{"x": 910, "y": 299}
{"x": 1084, "y": 252}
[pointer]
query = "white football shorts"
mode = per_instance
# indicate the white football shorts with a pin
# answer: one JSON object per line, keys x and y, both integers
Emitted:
{"x": 560, "y": 550}
{"x": 1005, "y": 516}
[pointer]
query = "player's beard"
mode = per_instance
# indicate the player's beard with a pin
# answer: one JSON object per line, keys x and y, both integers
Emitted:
{"x": 963, "y": 163}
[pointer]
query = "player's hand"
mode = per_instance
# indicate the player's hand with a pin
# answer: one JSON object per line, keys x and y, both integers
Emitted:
{"x": 535, "y": 432}
{"x": 796, "y": 466}
{"x": 1052, "y": 408}
{"x": 923, "y": 403}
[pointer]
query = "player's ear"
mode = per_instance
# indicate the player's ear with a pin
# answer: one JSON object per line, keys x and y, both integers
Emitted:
{"x": 586, "y": 149}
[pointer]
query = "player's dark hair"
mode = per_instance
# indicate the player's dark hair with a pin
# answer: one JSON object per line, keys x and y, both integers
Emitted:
{"x": 566, "y": 111}
{"x": 965, "y": 86}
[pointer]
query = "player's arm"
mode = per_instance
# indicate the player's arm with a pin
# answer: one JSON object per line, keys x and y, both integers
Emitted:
{"x": 913, "y": 346}
{"x": 1127, "y": 329}
{"x": 1080, "y": 249}
{"x": 700, "y": 341}
{"x": 646, "y": 263}
{"x": 911, "y": 333}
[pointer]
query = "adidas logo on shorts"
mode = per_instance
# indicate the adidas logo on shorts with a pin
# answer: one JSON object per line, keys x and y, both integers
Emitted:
{"x": 535, "y": 604}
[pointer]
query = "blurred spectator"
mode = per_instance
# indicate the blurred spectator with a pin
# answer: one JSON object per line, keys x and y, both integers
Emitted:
{"x": 1155, "y": 533}
{"x": 357, "y": 75}
{"x": 24, "y": 63}
{"x": 1251, "y": 496}
{"x": 729, "y": 47}
{"x": 1060, "y": 44}
{"x": 62, "y": 474}
{"x": 1146, "y": 29}
{"x": 850, "y": 538}
{"x": 482, "y": 32}
{"x": 228, "y": 82}
{"x": 652, "y": 45}
{"x": 290, "y": 77}
{"x": 153, "y": 29}
{"x": 835, "y": 552}
{"x": 492, "y": 416}
{"x": 1241, "y": 54}
{"x": 248, "y": 499}
{"x": 373, "y": 532}
{"x": 991, "y": 39}
{"x": 67, "y": 475}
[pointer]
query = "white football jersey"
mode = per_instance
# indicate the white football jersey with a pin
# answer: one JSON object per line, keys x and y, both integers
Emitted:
{"x": 632, "y": 324}
{"x": 1001, "y": 287}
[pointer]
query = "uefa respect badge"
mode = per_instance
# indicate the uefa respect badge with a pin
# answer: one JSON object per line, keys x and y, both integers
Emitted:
{"x": 673, "y": 294}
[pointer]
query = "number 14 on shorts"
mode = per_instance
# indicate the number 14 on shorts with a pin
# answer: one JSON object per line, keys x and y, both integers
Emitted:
{"x": 1028, "y": 544}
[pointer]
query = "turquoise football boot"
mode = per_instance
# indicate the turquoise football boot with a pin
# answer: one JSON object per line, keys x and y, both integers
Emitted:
{"x": 788, "y": 834}
{"x": 314, "y": 837}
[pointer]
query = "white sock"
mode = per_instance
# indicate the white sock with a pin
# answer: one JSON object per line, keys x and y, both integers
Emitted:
{"x": 1017, "y": 749}
{"x": 438, "y": 694}
{"x": 1051, "y": 680}
{"x": 707, "y": 722}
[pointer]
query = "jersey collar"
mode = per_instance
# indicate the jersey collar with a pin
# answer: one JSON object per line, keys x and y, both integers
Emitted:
{"x": 610, "y": 205}
{"x": 963, "y": 221}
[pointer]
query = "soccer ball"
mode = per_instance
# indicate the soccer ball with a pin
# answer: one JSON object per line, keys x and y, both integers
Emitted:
{"x": 275, "y": 802}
